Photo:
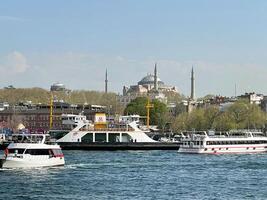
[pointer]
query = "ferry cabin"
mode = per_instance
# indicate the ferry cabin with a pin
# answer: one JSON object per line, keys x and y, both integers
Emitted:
{"x": 202, "y": 143}
{"x": 85, "y": 132}
{"x": 106, "y": 135}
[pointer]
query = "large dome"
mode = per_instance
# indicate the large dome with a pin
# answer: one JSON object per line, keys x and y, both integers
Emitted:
{"x": 149, "y": 80}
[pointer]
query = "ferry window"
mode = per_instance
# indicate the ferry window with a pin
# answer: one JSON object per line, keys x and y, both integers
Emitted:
{"x": 126, "y": 138}
{"x": 114, "y": 137}
{"x": 87, "y": 138}
{"x": 100, "y": 137}
{"x": 201, "y": 143}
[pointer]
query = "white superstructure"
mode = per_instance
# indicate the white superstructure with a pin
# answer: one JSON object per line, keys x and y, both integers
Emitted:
{"x": 86, "y": 132}
{"x": 242, "y": 141}
{"x": 29, "y": 151}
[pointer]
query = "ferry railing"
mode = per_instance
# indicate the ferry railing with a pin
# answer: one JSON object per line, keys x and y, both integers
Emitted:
{"x": 108, "y": 129}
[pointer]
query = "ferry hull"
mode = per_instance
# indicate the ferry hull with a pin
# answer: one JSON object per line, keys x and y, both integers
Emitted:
{"x": 28, "y": 163}
{"x": 118, "y": 146}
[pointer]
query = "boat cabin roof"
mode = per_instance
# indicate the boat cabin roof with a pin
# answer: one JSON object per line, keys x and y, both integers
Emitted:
{"x": 31, "y": 138}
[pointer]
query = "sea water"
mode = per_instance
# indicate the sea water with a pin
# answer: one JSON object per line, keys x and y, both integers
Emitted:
{"x": 140, "y": 175}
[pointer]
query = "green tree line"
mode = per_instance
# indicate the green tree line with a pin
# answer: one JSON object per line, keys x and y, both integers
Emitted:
{"x": 239, "y": 115}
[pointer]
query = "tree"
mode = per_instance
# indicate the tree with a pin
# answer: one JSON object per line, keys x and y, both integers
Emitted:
{"x": 180, "y": 123}
{"x": 247, "y": 115}
{"x": 224, "y": 122}
{"x": 210, "y": 115}
{"x": 239, "y": 110}
{"x": 138, "y": 106}
{"x": 196, "y": 119}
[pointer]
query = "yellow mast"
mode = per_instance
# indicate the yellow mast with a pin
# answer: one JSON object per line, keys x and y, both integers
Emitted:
{"x": 148, "y": 106}
{"x": 51, "y": 111}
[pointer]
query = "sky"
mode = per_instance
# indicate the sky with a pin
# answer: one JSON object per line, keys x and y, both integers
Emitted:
{"x": 73, "y": 42}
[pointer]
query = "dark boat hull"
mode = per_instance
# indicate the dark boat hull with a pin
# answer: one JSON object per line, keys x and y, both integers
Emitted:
{"x": 104, "y": 146}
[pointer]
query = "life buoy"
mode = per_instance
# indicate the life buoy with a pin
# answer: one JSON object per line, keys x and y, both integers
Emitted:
{"x": 6, "y": 152}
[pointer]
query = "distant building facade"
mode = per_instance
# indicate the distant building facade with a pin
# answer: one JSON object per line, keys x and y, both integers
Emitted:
{"x": 252, "y": 97}
{"x": 36, "y": 117}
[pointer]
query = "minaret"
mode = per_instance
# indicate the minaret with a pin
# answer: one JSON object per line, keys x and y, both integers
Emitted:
{"x": 192, "y": 84}
{"x": 156, "y": 78}
{"x": 106, "y": 82}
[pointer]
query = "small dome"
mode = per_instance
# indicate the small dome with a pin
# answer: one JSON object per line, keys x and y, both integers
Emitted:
{"x": 149, "y": 79}
{"x": 57, "y": 87}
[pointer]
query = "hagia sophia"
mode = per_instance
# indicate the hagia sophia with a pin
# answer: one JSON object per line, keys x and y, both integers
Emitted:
{"x": 151, "y": 85}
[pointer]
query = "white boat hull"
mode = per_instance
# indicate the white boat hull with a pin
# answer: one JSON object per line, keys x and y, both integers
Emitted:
{"x": 224, "y": 150}
{"x": 33, "y": 163}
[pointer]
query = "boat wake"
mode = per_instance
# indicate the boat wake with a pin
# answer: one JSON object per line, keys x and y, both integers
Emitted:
{"x": 78, "y": 165}
{"x": 4, "y": 169}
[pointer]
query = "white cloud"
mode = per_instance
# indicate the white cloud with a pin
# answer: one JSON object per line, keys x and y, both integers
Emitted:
{"x": 14, "y": 63}
{"x": 18, "y": 62}
{"x": 11, "y": 18}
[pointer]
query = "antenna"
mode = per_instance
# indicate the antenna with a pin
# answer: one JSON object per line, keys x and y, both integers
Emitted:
{"x": 235, "y": 89}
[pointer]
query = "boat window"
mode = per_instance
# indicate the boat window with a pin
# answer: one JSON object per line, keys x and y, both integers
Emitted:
{"x": 18, "y": 151}
{"x": 114, "y": 137}
{"x": 87, "y": 138}
{"x": 57, "y": 152}
{"x": 37, "y": 151}
{"x": 100, "y": 137}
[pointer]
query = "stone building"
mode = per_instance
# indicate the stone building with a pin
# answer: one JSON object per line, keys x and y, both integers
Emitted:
{"x": 150, "y": 85}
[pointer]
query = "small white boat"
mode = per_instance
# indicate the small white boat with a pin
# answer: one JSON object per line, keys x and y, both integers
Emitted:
{"x": 31, "y": 151}
{"x": 238, "y": 141}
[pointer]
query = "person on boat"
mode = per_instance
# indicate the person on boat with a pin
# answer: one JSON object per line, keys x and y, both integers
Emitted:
{"x": 6, "y": 152}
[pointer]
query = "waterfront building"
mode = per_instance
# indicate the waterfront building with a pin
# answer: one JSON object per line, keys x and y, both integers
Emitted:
{"x": 36, "y": 117}
{"x": 252, "y": 97}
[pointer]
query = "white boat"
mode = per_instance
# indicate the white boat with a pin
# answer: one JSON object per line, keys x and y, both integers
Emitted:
{"x": 240, "y": 141}
{"x": 84, "y": 131}
{"x": 31, "y": 151}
